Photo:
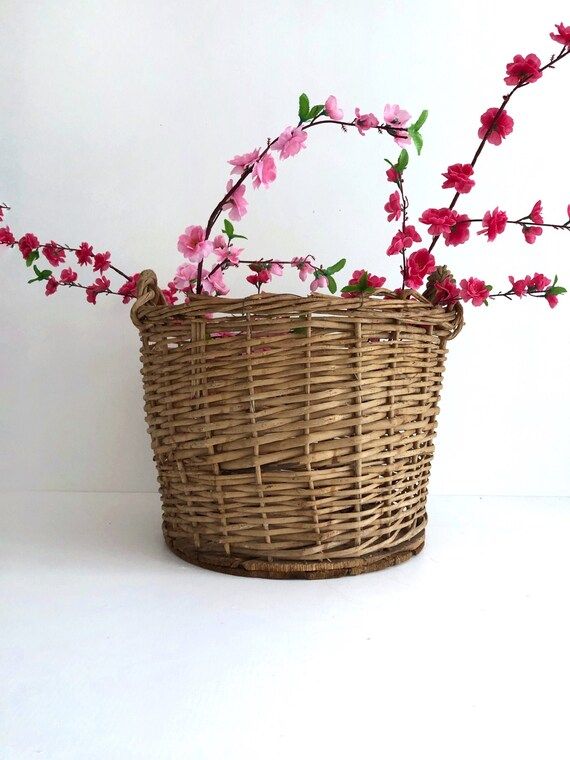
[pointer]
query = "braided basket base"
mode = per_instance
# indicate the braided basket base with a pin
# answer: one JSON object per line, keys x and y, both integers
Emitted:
{"x": 297, "y": 570}
{"x": 293, "y": 437}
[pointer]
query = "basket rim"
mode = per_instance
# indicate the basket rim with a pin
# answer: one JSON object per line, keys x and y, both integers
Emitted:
{"x": 150, "y": 301}
{"x": 149, "y": 295}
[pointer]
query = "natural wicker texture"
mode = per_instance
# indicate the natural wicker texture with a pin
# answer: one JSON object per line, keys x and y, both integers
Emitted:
{"x": 293, "y": 436}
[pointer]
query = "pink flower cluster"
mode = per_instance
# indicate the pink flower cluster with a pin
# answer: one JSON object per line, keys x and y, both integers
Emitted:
{"x": 447, "y": 222}
{"x": 263, "y": 272}
{"x": 419, "y": 265}
{"x": 363, "y": 282}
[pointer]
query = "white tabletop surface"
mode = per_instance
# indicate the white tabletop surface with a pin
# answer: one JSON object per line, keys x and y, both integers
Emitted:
{"x": 112, "y": 647}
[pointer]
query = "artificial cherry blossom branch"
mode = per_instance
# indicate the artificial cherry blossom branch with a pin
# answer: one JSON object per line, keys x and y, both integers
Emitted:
{"x": 358, "y": 123}
{"x": 493, "y": 122}
{"x": 523, "y": 223}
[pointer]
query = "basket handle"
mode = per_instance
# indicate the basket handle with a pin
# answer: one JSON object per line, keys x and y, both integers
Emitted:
{"x": 457, "y": 320}
{"x": 148, "y": 293}
{"x": 456, "y": 309}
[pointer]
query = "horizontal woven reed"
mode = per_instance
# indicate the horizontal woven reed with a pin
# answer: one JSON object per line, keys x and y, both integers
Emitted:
{"x": 293, "y": 436}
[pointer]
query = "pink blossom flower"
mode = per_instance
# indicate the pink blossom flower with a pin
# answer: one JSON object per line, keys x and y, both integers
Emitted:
{"x": 259, "y": 278}
{"x": 563, "y": 36}
{"x": 303, "y": 266}
{"x": 100, "y": 285}
{"x": 67, "y": 275}
{"x": 102, "y": 262}
{"x": 519, "y": 287}
{"x": 192, "y": 244}
{"x": 53, "y": 253}
{"x": 446, "y": 292}
{"x": 552, "y": 300}
{"x": 536, "y": 213}
{"x": 419, "y": 265}
{"x": 185, "y": 276}
{"x": 214, "y": 284}
{"x": 241, "y": 163}
{"x": 474, "y": 290}
{"x": 129, "y": 289}
{"x": 264, "y": 171}
{"x": 236, "y": 204}
{"x": 219, "y": 243}
{"x": 502, "y": 127}
{"x": 523, "y": 69}
{"x": 28, "y": 243}
{"x": 458, "y": 177}
{"x": 275, "y": 268}
{"x": 538, "y": 282}
{"x": 169, "y": 294}
{"x": 6, "y": 236}
{"x": 1, "y": 213}
{"x": 403, "y": 239}
{"x": 494, "y": 223}
{"x": 51, "y": 286}
{"x": 440, "y": 220}
{"x": 365, "y": 121}
{"x": 459, "y": 231}
{"x": 332, "y": 110}
{"x": 320, "y": 281}
{"x": 84, "y": 254}
{"x": 393, "y": 206}
{"x": 290, "y": 142}
{"x": 225, "y": 252}
{"x": 372, "y": 282}
{"x": 531, "y": 233}
{"x": 392, "y": 174}
{"x": 396, "y": 117}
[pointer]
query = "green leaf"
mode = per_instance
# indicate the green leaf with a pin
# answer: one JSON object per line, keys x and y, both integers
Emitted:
{"x": 45, "y": 275}
{"x": 403, "y": 159}
{"x": 417, "y": 125}
{"x": 239, "y": 237}
{"x": 228, "y": 228}
{"x": 314, "y": 112}
{"x": 34, "y": 280}
{"x": 34, "y": 256}
{"x": 304, "y": 107}
{"x": 336, "y": 267}
{"x": 299, "y": 330}
{"x": 489, "y": 288}
{"x": 417, "y": 139}
{"x": 363, "y": 281}
{"x": 558, "y": 291}
{"x": 331, "y": 282}
{"x": 350, "y": 289}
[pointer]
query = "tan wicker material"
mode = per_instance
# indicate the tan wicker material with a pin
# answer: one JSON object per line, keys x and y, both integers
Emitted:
{"x": 293, "y": 436}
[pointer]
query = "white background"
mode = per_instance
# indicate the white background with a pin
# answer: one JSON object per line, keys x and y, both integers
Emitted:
{"x": 117, "y": 119}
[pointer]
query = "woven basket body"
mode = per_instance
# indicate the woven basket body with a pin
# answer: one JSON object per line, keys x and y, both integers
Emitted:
{"x": 293, "y": 436}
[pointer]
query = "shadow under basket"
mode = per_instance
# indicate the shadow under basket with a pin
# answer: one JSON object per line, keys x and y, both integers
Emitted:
{"x": 293, "y": 436}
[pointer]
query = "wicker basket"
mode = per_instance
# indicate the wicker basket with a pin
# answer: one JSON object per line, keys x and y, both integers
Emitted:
{"x": 293, "y": 436}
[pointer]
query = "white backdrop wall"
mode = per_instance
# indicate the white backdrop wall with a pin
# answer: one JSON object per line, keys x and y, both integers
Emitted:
{"x": 117, "y": 119}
